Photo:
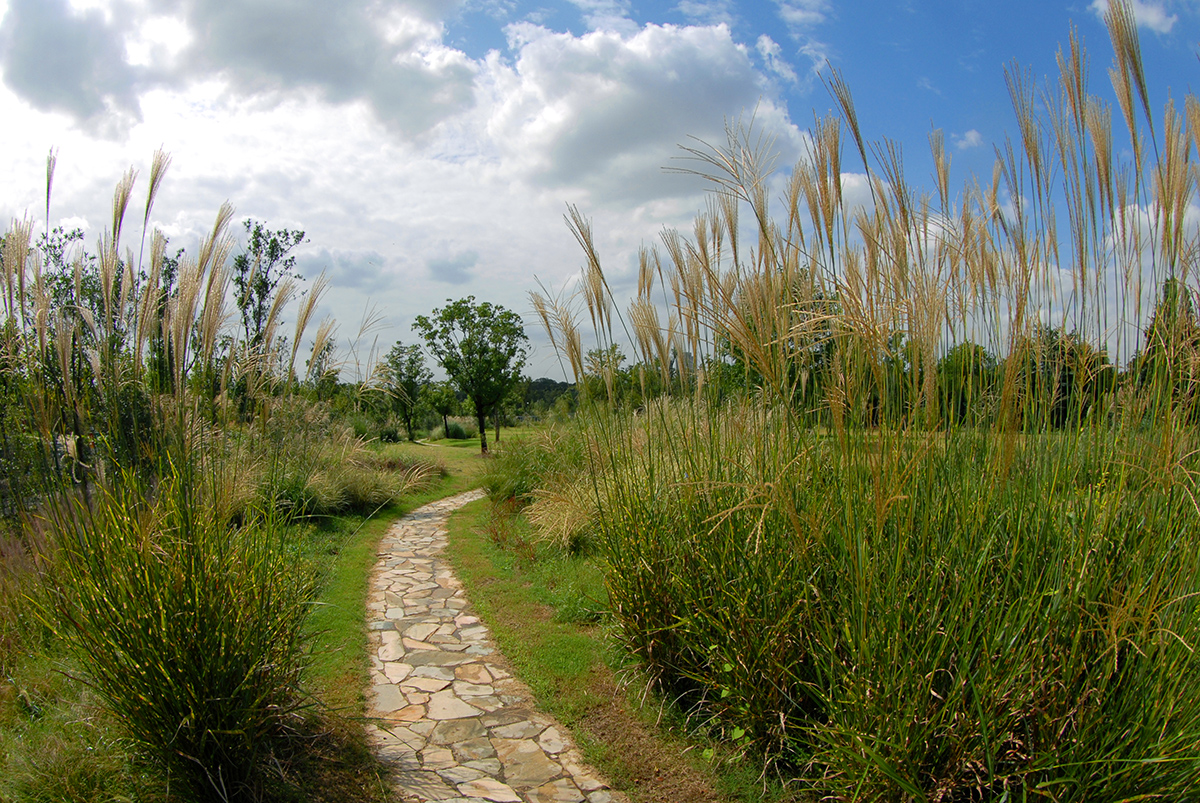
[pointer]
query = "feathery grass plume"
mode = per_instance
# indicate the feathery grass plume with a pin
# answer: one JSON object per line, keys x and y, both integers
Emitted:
{"x": 595, "y": 288}
{"x": 120, "y": 204}
{"x": 213, "y": 270}
{"x": 16, "y": 257}
{"x": 326, "y": 334}
{"x": 1122, "y": 30}
{"x": 158, "y": 171}
{"x": 51, "y": 163}
{"x": 110, "y": 264}
{"x": 542, "y": 310}
{"x": 372, "y": 321}
{"x": 284, "y": 292}
{"x": 1173, "y": 189}
{"x": 840, "y": 91}
{"x": 645, "y": 272}
{"x": 181, "y": 314}
{"x": 559, "y": 322}
{"x": 151, "y": 299}
{"x": 215, "y": 241}
{"x": 308, "y": 308}
{"x": 128, "y": 288}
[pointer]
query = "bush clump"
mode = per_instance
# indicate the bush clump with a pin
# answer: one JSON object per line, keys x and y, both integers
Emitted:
{"x": 189, "y": 631}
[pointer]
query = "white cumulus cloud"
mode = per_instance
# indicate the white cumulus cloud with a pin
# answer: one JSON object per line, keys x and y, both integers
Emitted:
{"x": 971, "y": 139}
{"x": 608, "y": 111}
{"x": 1147, "y": 14}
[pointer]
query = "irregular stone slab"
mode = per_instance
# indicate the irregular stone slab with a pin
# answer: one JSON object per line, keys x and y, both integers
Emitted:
{"x": 518, "y": 730}
{"x": 464, "y": 689}
{"x": 437, "y": 758}
{"x": 459, "y": 774}
{"x": 552, "y": 741}
{"x": 456, "y": 730}
{"x": 490, "y": 789}
{"x": 413, "y": 644}
{"x": 426, "y": 684}
{"x": 410, "y": 713}
{"x": 396, "y": 671}
{"x": 436, "y": 657}
{"x": 525, "y": 764}
{"x": 490, "y": 766}
{"x": 475, "y": 749}
{"x": 445, "y": 705}
{"x": 560, "y": 791}
{"x": 422, "y": 631}
{"x": 388, "y": 698}
{"x": 399, "y": 735}
{"x": 438, "y": 672}
{"x": 425, "y": 785}
{"x": 473, "y": 673}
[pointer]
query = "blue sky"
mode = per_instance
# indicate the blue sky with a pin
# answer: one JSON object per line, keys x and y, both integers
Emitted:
{"x": 429, "y": 148}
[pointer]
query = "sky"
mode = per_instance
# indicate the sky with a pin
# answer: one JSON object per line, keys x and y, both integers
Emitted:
{"x": 429, "y": 148}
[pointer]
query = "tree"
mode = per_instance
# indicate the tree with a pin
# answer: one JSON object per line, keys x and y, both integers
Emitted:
{"x": 967, "y": 378}
{"x": 258, "y": 272}
{"x": 482, "y": 349}
{"x": 406, "y": 375}
{"x": 442, "y": 399}
{"x": 1063, "y": 378}
{"x": 1166, "y": 368}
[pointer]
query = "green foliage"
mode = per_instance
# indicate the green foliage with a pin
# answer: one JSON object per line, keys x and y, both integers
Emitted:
{"x": 929, "y": 619}
{"x": 528, "y": 463}
{"x": 192, "y": 634}
{"x": 908, "y": 534}
{"x": 481, "y": 347}
{"x": 163, "y": 458}
{"x": 442, "y": 399}
{"x": 258, "y": 272}
{"x": 407, "y": 376}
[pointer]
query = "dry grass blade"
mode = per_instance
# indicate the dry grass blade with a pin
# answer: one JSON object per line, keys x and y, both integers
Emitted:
{"x": 120, "y": 204}
{"x": 51, "y": 163}
{"x": 1121, "y": 22}
{"x": 308, "y": 308}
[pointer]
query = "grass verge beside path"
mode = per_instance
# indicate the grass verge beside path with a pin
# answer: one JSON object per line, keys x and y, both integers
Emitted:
{"x": 545, "y": 609}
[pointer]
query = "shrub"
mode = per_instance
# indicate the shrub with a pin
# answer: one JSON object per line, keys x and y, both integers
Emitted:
{"x": 190, "y": 632}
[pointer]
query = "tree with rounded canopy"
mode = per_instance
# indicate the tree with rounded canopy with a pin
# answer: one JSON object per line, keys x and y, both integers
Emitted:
{"x": 442, "y": 400}
{"x": 406, "y": 375}
{"x": 482, "y": 349}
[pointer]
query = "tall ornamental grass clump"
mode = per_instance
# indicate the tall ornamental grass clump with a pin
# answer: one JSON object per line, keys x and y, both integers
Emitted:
{"x": 151, "y": 501}
{"x": 900, "y": 524}
{"x": 190, "y": 631}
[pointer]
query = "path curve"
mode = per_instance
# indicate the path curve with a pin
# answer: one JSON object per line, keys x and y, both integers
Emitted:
{"x": 448, "y": 717}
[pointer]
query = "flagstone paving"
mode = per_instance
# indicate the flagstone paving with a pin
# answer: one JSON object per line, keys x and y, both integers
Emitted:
{"x": 448, "y": 717}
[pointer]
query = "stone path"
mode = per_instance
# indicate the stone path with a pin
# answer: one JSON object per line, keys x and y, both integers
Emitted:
{"x": 450, "y": 719}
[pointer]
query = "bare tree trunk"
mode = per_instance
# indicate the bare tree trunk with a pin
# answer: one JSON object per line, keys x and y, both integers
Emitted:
{"x": 482, "y": 420}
